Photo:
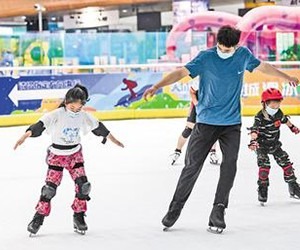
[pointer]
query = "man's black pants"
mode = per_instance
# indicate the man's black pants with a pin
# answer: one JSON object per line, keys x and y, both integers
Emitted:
{"x": 202, "y": 139}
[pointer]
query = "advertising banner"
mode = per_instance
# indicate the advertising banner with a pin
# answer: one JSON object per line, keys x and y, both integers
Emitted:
{"x": 256, "y": 83}
{"x": 119, "y": 95}
{"x": 115, "y": 93}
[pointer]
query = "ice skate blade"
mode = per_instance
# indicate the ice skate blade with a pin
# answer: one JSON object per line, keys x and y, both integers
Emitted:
{"x": 262, "y": 203}
{"x": 81, "y": 232}
{"x": 294, "y": 197}
{"x": 77, "y": 230}
{"x": 31, "y": 235}
{"x": 215, "y": 230}
{"x": 166, "y": 229}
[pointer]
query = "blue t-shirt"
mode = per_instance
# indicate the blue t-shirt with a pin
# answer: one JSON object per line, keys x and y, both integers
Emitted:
{"x": 220, "y": 85}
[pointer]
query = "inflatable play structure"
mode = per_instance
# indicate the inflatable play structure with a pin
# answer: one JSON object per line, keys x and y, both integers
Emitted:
{"x": 197, "y": 22}
{"x": 269, "y": 19}
{"x": 258, "y": 25}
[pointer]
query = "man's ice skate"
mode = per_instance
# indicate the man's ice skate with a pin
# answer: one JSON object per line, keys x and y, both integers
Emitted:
{"x": 216, "y": 219}
{"x": 175, "y": 156}
{"x": 262, "y": 194}
{"x": 294, "y": 190}
{"x": 213, "y": 157}
{"x": 171, "y": 217}
{"x": 79, "y": 224}
{"x": 34, "y": 226}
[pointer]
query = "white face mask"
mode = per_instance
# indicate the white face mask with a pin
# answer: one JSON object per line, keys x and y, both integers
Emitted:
{"x": 72, "y": 114}
{"x": 224, "y": 55}
{"x": 271, "y": 111}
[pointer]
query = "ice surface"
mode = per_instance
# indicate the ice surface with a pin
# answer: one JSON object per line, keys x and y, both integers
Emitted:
{"x": 132, "y": 188}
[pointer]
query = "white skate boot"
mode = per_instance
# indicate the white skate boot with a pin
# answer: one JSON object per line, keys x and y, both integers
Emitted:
{"x": 175, "y": 156}
{"x": 213, "y": 158}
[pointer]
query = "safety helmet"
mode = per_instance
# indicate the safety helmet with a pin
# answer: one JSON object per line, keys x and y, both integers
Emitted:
{"x": 271, "y": 94}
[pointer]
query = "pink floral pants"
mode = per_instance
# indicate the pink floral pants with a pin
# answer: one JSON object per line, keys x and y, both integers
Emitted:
{"x": 57, "y": 163}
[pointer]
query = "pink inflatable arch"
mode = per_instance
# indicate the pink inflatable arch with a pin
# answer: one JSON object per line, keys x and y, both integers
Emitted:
{"x": 275, "y": 17}
{"x": 198, "y": 22}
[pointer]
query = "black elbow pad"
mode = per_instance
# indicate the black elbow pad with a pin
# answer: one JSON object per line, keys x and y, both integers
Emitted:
{"x": 36, "y": 129}
{"x": 101, "y": 130}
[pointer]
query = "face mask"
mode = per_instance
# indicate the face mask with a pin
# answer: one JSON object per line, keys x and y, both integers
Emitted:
{"x": 72, "y": 114}
{"x": 224, "y": 55}
{"x": 271, "y": 111}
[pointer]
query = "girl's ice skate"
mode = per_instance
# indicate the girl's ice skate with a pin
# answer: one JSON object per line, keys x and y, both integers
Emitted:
{"x": 79, "y": 224}
{"x": 34, "y": 226}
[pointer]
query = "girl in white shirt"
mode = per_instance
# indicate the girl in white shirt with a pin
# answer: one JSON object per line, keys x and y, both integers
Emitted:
{"x": 65, "y": 125}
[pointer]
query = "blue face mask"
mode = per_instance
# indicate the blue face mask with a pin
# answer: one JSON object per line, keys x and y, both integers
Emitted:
{"x": 271, "y": 111}
{"x": 224, "y": 55}
{"x": 72, "y": 114}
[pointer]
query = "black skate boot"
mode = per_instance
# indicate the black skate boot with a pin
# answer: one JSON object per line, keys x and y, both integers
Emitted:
{"x": 172, "y": 216}
{"x": 294, "y": 190}
{"x": 79, "y": 224}
{"x": 216, "y": 219}
{"x": 262, "y": 194}
{"x": 34, "y": 226}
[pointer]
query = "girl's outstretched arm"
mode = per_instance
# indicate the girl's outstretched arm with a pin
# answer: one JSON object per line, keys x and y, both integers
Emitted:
{"x": 22, "y": 139}
{"x": 115, "y": 141}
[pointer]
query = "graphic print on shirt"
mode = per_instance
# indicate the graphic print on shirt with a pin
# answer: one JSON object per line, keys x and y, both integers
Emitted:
{"x": 70, "y": 135}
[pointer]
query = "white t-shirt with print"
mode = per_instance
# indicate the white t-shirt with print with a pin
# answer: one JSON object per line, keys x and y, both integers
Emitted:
{"x": 65, "y": 129}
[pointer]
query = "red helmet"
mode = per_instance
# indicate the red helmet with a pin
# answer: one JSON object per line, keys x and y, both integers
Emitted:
{"x": 271, "y": 94}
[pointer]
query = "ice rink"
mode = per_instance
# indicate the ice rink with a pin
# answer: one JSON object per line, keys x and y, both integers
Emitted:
{"x": 131, "y": 191}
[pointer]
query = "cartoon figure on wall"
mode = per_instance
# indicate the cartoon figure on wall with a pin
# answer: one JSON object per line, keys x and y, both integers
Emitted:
{"x": 133, "y": 96}
{"x": 130, "y": 85}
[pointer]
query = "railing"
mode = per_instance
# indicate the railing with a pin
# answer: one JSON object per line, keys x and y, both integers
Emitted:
{"x": 69, "y": 69}
{"x": 76, "y": 69}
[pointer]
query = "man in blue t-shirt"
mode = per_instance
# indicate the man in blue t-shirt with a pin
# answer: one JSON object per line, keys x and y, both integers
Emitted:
{"x": 221, "y": 70}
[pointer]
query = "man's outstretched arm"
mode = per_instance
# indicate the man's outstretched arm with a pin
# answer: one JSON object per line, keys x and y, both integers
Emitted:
{"x": 270, "y": 70}
{"x": 171, "y": 78}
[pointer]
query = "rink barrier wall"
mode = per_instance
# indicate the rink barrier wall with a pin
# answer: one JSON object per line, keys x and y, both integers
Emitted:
{"x": 20, "y": 120}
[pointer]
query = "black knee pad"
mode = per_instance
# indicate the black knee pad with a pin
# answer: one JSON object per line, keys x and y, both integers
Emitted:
{"x": 48, "y": 191}
{"x": 84, "y": 188}
{"x": 186, "y": 132}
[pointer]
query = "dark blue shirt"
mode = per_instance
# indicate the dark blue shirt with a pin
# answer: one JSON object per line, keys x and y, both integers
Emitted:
{"x": 220, "y": 85}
